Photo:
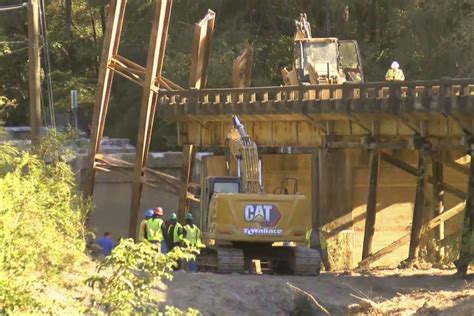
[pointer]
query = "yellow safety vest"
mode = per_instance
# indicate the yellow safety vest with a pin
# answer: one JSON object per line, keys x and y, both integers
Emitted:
{"x": 176, "y": 235}
{"x": 153, "y": 229}
{"x": 322, "y": 241}
{"x": 193, "y": 234}
{"x": 395, "y": 74}
{"x": 141, "y": 230}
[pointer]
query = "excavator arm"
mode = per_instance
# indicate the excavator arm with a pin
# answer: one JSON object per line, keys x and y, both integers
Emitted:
{"x": 244, "y": 151}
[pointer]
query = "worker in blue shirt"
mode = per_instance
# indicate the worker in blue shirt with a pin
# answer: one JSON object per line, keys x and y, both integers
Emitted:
{"x": 106, "y": 244}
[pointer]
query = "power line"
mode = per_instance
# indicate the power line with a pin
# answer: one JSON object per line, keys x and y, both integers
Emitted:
{"x": 13, "y": 7}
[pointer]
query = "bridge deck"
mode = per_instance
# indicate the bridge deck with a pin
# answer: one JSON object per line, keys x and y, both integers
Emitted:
{"x": 310, "y": 115}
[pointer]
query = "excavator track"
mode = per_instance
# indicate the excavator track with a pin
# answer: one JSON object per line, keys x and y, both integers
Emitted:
{"x": 221, "y": 259}
{"x": 305, "y": 261}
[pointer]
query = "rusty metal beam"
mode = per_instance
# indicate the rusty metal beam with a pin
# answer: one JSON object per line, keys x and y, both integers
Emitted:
{"x": 109, "y": 48}
{"x": 154, "y": 65}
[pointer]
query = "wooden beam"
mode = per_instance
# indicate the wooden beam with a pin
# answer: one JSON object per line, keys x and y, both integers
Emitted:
{"x": 34, "y": 67}
{"x": 112, "y": 162}
{"x": 201, "y": 49}
{"x": 414, "y": 171}
{"x": 417, "y": 219}
{"x": 438, "y": 196}
{"x": 154, "y": 65}
{"x": 371, "y": 205}
{"x": 135, "y": 73}
{"x": 315, "y": 194}
{"x": 242, "y": 69}
{"x": 451, "y": 164}
{"x": 316, "y": 124}
{"x": 406, "y": 238}
{"x": 465, "y": 255}
{"x": 189, "y": 153}
{"x": 109, "y": 48}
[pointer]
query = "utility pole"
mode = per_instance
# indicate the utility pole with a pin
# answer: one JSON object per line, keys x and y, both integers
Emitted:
{"x": 34, "y": 70}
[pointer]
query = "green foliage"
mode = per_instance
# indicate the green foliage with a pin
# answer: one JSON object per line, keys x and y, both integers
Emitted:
{"x": 125, "y": 278}
{"x": 56, "y": 146}
{"x": 41, "y": 229}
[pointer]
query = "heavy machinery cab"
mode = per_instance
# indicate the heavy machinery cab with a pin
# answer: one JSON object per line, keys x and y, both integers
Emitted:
{"x": 216, "y": 185}
{"x": 327, "y": 60}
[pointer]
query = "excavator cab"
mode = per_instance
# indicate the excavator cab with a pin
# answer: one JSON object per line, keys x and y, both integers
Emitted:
{"x": 214, "y": 185}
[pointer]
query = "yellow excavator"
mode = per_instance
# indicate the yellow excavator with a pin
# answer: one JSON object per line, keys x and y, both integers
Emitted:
{"x": 241, "y": 223}
{"x": 325, "y": 60}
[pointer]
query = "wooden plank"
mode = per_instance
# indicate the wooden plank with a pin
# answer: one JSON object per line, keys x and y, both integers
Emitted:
{"x": 189, "y": 153}
{"x": 242, "y": 69}
{"x": 34, "y": 70}
{"x": 438, "y": 196}
{"x": 384, "y": 251}
{"x": 465, "y": 255}
{"x": 417, "y": 219}
{"x": 371, "y": 212}
{"x": 115, "y": 163}
{"x": 154, "y": 65}
{"x": 406, "y": 238}
{"x": 315, "y": 194}
{"x": 109, "y": 48}
{"x": 200, "y": 51}
{"x": 451, "y": 164}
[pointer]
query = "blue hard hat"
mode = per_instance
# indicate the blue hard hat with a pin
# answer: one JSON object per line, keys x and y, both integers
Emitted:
{"x": 149, "y": 213}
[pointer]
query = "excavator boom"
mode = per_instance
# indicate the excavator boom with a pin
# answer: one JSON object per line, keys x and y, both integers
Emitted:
{"x": 245, "y": 152}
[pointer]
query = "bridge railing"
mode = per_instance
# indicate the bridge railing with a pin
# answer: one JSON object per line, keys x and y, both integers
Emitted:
{"x": 352, "y": 91}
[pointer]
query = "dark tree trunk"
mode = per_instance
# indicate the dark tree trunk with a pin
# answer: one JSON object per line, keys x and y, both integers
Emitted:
{"x": 327, "y": 18}
{"x": 373, "y": 22}
{"x": 68, "y": 20}
{"x": 102, "y": 19}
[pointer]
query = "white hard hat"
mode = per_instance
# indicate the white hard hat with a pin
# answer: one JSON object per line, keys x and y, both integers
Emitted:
{"x": 395, "y": 65}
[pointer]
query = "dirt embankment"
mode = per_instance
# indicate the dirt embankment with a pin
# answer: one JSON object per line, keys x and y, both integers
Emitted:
{"x": 386, "y": 291}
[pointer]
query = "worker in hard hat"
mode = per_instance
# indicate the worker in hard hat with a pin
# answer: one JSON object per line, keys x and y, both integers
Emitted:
{"x": 315, "y": 240}
{"x": 142, "y": 233}
{"x": 192, "y": 237}
{"x": 175, "y": 232}
{"x": 156, "y": 229}
{"x": 395, "y": 73}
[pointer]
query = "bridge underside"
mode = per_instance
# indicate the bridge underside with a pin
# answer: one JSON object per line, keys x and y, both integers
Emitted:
{"x": 435, "y": 118}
